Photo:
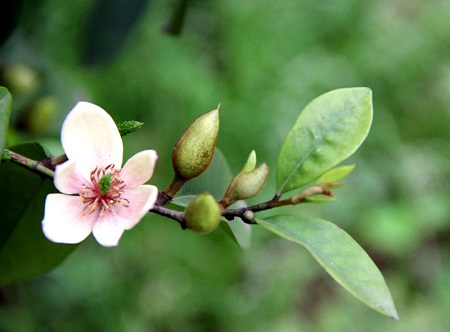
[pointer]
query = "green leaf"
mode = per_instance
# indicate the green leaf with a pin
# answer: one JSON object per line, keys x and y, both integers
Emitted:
{"x": 320, "y": 199}
{"x": 336, "y": 174}
{"x": 5, "y": 110}
{"x": 250, "y": 163}
{"x": 329, "y": 130}
{"x": 24, "y": 250}
{"x": 340, "y": 255}
{"x": 128, "y": 127}
{"x": 215, "y": 181}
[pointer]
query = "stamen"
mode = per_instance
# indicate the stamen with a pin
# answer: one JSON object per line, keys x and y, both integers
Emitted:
{"x": 97, "y": 196}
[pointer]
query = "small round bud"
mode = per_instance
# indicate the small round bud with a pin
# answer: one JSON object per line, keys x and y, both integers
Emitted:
{"x": 194, "y": 149}
{"x": 203, "y": 214}
{"x": 249, "y": 215}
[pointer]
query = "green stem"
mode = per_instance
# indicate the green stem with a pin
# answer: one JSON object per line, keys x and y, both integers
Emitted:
{"x": 33, "y": 165}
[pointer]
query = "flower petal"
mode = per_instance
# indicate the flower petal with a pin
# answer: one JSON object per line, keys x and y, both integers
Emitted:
{"x": 139, "y": 168}
{"x": 63, "y": 220}
{"x": 90, "y": 136}
{"x": 141, "y": 200}
{"x": 109, "y": 227}
{"x": 67, "y": 179}
{"x": 106, "y": 232}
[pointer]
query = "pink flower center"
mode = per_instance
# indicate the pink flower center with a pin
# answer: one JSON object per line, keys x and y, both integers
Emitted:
{"x": 94, "y": 197}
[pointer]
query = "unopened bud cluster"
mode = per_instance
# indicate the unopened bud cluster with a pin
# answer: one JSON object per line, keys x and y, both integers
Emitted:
{"x": 192, "y": 155}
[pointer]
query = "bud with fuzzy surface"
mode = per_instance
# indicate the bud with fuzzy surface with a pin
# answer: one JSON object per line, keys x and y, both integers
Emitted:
{"x": 203, "y": 214}
{"x": 248, "y": 183}
{"x": 194, "y": 149}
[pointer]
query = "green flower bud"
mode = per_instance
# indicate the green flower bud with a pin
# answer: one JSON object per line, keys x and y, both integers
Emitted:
{"x": 194, "y": 149}
{"x": 203, "y": 214}
{"x": 248, "y": 183}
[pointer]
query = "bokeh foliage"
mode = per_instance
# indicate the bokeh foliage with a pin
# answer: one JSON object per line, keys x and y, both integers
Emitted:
{"x": 263, "y": 61}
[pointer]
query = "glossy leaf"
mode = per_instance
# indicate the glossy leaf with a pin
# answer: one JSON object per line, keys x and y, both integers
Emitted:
{"x": 215, "y": 181}
{"x": 5, "y": 110}
{"x": 340, "y": 255}
{"x": 24, "y": 250}
{"x": 329, "y": 130}
{"x": 336, "y": 174}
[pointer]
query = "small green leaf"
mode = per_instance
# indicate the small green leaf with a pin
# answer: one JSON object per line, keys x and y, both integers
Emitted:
{"x": 336, "y": 174}
{"x": 320, "y": 199}
{"x": 329, "y": 130}
{"x": 250, "y": 163}
{"x": 215, "y": 181}
{"x": 340, "y": 255}
{"x": 5, "y": 110}
{"x": 127, "y": 127}
{"x": 183, "y": 200}
{"x": 24, "y": 250}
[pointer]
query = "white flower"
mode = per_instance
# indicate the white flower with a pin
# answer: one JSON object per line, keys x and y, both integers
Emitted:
{"x": 97, "y": 195}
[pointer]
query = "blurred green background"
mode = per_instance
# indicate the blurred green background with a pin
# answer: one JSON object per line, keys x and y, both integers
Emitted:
{"x": 165, "y": 63}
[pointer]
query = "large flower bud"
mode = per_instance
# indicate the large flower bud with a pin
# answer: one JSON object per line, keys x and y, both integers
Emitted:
{"x": 248, "y": 183}
{"x": 203, "y": 214}
{"x": 194, "y": 149}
